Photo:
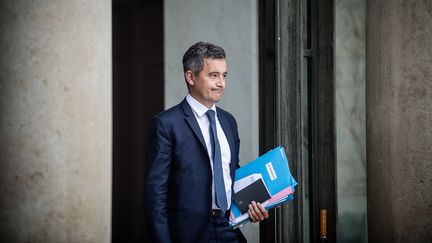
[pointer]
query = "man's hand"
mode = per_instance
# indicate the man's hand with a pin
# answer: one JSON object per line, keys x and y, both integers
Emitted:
{"x": 257, "y": 212}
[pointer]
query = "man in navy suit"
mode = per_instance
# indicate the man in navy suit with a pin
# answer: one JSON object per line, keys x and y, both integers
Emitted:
{"x": 192, "y": 154}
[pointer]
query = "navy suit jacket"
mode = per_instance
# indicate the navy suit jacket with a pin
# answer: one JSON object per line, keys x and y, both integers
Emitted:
{"x": 177, "y": 188}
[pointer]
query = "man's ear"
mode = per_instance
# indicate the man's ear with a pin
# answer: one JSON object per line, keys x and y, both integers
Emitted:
{"x": 190, "y": 77}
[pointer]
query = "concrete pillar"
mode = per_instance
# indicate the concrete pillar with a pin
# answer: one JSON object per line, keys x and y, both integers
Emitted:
{"x": 55, "y": 121}
{"x": 399, "y": 120}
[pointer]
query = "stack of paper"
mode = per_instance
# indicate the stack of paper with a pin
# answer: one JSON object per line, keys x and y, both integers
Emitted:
{"x": 267, "y": 180}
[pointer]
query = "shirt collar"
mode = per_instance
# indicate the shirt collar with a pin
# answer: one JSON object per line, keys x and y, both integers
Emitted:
{"x": 197, "y": 107}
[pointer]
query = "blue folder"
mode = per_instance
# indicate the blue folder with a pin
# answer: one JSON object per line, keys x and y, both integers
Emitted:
{"x": 274, "y": 170}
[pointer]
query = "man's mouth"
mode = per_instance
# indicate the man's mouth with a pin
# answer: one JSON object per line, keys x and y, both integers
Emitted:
{"x": 218, "y": 90}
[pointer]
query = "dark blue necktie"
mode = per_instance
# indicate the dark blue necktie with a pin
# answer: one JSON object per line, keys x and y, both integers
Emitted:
{"x": 219, "y": 184}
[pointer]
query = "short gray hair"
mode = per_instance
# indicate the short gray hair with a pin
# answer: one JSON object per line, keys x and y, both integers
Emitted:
{"x": 193, "y": 59}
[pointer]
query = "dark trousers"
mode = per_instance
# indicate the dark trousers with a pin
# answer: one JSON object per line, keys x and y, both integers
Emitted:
{"x": 221, "y": 232}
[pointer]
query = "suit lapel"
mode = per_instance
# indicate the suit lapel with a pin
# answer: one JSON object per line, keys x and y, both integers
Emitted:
{"x": 190, "y": 118}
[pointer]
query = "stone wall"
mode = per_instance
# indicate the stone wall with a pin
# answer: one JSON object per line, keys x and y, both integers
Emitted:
{"x": 399, "y": 120}
{"x": 55, "y": 121}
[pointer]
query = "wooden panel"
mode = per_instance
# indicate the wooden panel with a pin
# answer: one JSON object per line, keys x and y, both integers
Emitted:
{"x": 322, "y": 120}
{"x": 289, "y": 113}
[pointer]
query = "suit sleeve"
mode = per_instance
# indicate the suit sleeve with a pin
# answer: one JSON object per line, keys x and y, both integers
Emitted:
{"x": 159, "y": 158}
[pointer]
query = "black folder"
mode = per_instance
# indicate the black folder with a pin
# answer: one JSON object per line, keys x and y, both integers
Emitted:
{"x": 256, "y": 191}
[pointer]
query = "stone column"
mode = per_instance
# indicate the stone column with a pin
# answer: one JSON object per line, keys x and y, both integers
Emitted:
{"x": 55, "y": 121}
{"x": 399, "y": 120}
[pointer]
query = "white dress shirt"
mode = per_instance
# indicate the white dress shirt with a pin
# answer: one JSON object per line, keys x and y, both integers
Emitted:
{"x": 199, "y": 111}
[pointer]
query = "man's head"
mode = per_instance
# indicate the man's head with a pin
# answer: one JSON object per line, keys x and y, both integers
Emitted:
{"x": 205, "y": 70}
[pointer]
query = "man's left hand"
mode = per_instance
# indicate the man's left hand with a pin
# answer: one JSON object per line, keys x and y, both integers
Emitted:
{"x": 257, "y": 212}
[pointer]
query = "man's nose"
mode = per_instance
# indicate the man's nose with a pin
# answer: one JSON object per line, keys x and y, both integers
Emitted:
{"x": 221, "y": 81}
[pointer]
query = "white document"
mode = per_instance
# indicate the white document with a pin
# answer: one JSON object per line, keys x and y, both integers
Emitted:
{"x": 246, "y": 181}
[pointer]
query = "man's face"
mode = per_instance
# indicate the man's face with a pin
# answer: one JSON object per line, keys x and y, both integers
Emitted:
{"x": 208, "y": 86}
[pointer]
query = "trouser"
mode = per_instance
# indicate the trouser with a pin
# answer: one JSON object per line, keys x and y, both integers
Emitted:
{"x": 220, "y": 231}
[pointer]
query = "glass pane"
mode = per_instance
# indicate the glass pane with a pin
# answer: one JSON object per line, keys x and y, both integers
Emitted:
{"x": 350, "y": 120}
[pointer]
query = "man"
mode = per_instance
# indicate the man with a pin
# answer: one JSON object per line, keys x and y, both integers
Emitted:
{"x": 192, "y": 155}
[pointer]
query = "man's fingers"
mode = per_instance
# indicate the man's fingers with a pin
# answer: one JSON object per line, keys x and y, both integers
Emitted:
{"x": 252, "y": 215}
{"x": 263, "y": 211}
{"x": 257, "y": 211}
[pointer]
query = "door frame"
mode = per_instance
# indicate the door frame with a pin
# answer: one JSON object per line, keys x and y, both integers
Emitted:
{"x": 297, "y": 111}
